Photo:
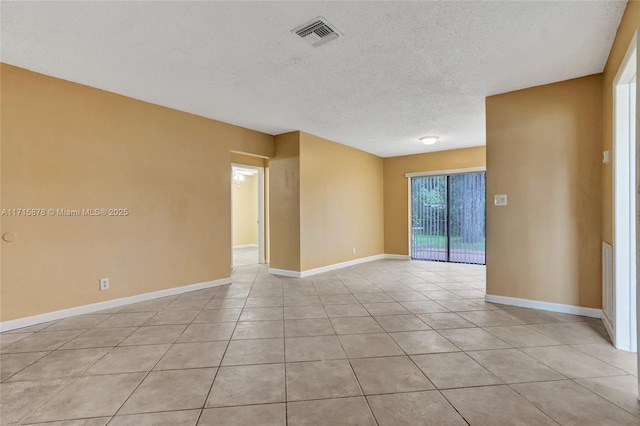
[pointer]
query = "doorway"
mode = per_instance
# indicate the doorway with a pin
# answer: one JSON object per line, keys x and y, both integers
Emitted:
{"x": 247, "y": 215}
{"x": 621, "y": 314}
{"x": 448, "y": 217}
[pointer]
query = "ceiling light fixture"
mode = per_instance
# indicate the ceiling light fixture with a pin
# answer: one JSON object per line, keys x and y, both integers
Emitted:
{"x": 429, "y": 140}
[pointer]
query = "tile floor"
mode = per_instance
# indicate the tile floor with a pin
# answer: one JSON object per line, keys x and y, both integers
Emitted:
{"x": 386, "y": 343}
{"x": 243, "y": 256}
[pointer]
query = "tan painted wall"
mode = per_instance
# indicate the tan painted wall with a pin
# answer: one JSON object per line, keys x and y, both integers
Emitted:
{"x": 396, "y": 193}
{"x": 543, "y": 151}
{"x": 341, "y": 203}
{"x": 244, "y": 195}
{"x": 284, "y": 203}
{"x": 628, "y": 26}
{"x": 65, "y": 145}
{"x": 250, "y": 160}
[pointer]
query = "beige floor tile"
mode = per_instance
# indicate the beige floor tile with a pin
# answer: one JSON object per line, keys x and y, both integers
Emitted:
{"x": 457, "y": 305}
{"x": 355, "y": 325}
{"x": 12, "y": 363}
{"x": 369, "y": 345}
{"x": 386, "y": 308}
{"x": 513, "y": 366}
{"x": 373, "y": 297}
{"x": 527, "y": 316}
{"x": 414, "y": 409}
{"x": 100, "y": 338}
{"x": 60, "y": 364}
{"x": 338, "y": 299}
{"x": 218, "y": 315}
{"x": 342, "y": 411}
{"x": 626, "y": 361}
{"x": 495, "y": 405}
{"x": 170, "y": 390}
{"x": 574, "y": 333}
{"x": 89, "y": 396}
{"x": 473, "y": 339}
{"x": 98, "y": 421}
{"x": 20, "y": 398}
{"x": 487, "y": 318}
{"x": 352, "y": 310}
{"x": 149, "y": 306}
{"x": 128, "y": 359}
{"x": 172, "y": 317}
{"x": 440, "y": 294}
{"x": 389, "y": 375}
{"x": 133, "y": 319}
{"x": 445, "y": 320}
{"x": 302, "y": 300}
{"x": 171, "y": 418}
{"x": 422, "y": 342}
{"x": 407, "y": 296}
{"x": 570, "y": 404}
{"x": 521, "y": 336}
{"x": 79, "y": 322}
{"x": 454, "y": 370}
{"x": 263, "y": 415}
{"x": 571, "y": 362}
{"x": 255, "y": 351}
{"x": 42, "y": 341}
{"x": 248, "y": 384}
{"x": 7, "y": 339}
{"x": 186, "y": 305}
{"x": 225, "y": 304}
{"x": 392, "y": 323}
{"x": 154, "y": 335}
{"x": 321, "y": 379}
{"x": 424, "y": 307}
{"x": 261, "y": 314}
{"x": 259, "y": 330}
{"x": 300, "y": 312}
{"x": 192, "y": 355}
{"x": 207, "y": 332}
{"x": 264, "y": 302}
{"x": 316, "y": 348}
{"x": 308, "y": 327}
{"x": 620, "y": 390}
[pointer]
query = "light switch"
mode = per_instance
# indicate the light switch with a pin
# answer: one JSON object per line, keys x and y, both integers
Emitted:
{"x": 500, "y": 200}
{"x": 606, "y": 157}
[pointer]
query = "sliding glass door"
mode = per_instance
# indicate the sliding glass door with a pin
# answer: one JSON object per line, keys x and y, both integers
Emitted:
{"x": 448, "y": 218}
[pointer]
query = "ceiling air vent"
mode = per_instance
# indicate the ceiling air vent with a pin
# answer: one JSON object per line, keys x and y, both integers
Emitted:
{"x": 317, "y": 32}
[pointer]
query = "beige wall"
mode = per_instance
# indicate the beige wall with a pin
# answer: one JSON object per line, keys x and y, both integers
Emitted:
{"x": 284, "y": 203}
{"x": 65, "y": 145}
{"x": 396, "y": 195}
{"x": 341, "y": 203}
{"x": 543, "y": 151}
{"x": 244, "y": 196}
{"x": 627, "y": 29}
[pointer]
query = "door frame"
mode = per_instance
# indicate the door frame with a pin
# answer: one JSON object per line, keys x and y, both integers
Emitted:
{"x": 409, "y": 176}
{"x": 623, "y": 327}
{"x": 261, "y": 210}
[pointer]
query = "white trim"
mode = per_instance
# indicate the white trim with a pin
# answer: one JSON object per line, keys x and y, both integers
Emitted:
{"x": 447, "y": 172}
{"x": 328, "y": 268}
{"x": 245, "y": 246}
{"x": 608, "y": 327}
{"x": 545, "y": 306}
{"x": 108, "y": 304}
{"x": 397, "y": 256}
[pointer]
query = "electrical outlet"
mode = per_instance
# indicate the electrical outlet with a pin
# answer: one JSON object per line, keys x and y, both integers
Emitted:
{"x": 353, "y": 251}
{"x": 104, "y": 284}
{"x": 500, "y": 200}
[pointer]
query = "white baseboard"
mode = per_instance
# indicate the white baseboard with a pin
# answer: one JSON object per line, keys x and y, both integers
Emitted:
{"x": 335, "y": 266}
{"x": 545, "y": 306}
{"x": 609, "y": 327}
{"x": 245, "y": 245}
{"x": 397, "y": 256}
{"x": 108, "y": 304}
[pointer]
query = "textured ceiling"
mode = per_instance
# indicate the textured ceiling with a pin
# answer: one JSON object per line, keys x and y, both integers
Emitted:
{"x": 401, "y": 70}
